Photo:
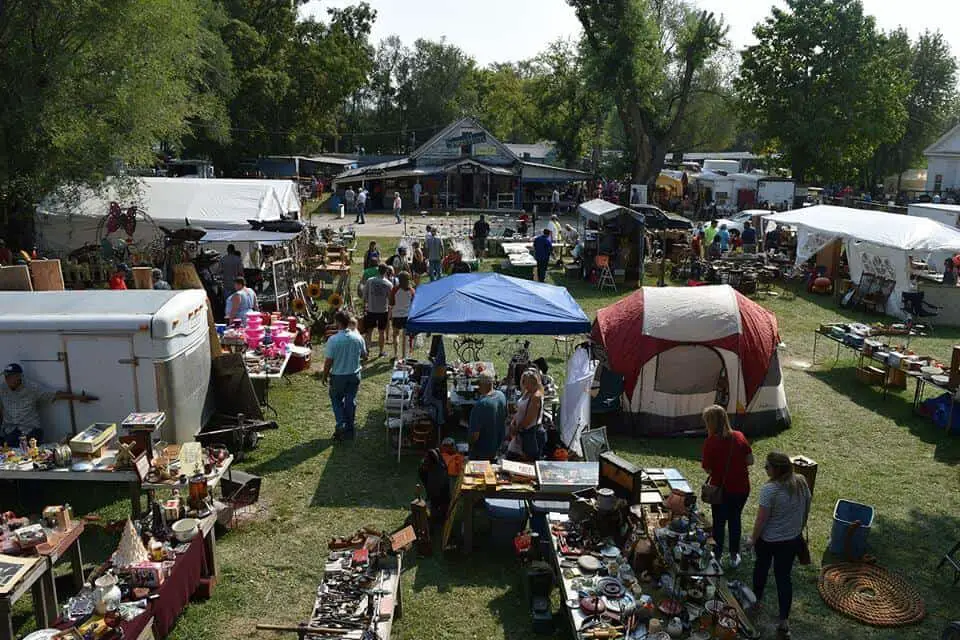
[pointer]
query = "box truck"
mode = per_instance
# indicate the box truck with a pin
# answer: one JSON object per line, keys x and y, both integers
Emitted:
{"x": 136, "y": 350}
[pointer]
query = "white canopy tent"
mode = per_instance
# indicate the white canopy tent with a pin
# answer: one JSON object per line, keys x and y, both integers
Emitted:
{"x": 599, "y": 210}
{"x": 878, "y": 243}
{"x": 69, "y": 218}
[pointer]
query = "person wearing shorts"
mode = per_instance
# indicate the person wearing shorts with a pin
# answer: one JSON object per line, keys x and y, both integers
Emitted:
{"x": 401, "y": 299}
{"x": 376, "y": 297}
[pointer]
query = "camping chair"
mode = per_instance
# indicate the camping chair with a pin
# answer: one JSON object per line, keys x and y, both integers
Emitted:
{"x": 913, "y": 304}
{"x": 877, "y": 301}
{"x": 609, "y": 397}
{"x": 605, "y": 280}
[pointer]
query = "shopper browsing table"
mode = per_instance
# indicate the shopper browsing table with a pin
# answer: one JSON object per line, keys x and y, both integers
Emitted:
{"x": 542, "y": 250}
{"x": 20, "y": 406}
{"x": 376, "y": 297}
{"x": 487, "y": 419}
{"x": 344, "y": 353}
{"x": 726, "y": 457}
{"x": 781, "y": 517}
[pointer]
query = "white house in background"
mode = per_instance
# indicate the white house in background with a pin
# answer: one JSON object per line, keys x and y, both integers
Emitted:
{"x": 943, "y": 162}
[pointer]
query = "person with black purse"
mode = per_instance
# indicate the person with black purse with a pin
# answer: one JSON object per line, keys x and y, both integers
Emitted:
{"x": 778, "y": 538}
{"x": 726, "y": 457}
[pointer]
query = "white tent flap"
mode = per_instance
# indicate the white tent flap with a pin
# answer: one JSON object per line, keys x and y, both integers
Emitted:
{"x": 575, "y": 400}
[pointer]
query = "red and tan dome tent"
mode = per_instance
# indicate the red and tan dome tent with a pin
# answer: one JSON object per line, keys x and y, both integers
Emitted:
{"x": 683, "y": 349}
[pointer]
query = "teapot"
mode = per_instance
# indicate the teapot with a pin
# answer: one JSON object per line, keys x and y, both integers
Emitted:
{"x": 675, "y": 628}
{"x": 106, "y": 593}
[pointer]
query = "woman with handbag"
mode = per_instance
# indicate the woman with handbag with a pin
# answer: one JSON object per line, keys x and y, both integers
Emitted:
{"x": 778, "y": 532}
{"x": 726, "y": 457}
{"x": 527, "y": 435}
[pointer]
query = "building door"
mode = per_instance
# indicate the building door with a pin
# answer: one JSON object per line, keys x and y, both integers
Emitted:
{"x": 466, "y": 190}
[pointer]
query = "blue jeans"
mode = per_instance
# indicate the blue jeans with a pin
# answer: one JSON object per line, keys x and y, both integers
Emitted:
{"x": 343, "y": 397}
{"x": 361, "y": 214}
{"x": 436, "y": 269}
{"x": 396, "y": 213}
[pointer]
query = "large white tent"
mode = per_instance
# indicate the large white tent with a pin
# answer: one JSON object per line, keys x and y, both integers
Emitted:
{"x": 877, "y": 243}
{"x": 70, "y": 217}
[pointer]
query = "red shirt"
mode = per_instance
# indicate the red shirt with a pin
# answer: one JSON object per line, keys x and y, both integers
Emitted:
{"x": 117, "y": 282}
{"x": 715, "y": 453}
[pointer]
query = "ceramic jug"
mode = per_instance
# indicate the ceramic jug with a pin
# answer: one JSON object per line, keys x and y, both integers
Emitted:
{"x": 106, "y": 594}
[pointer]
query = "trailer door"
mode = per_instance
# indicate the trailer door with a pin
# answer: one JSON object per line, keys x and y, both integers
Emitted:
{"x": 102, "y": 366}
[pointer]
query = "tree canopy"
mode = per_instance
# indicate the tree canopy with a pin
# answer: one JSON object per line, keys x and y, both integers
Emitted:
{"x": 824, "y": 87}
{"x": 652, "y": 57}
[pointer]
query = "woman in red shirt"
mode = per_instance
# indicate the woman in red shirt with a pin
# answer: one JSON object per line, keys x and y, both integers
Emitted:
{"x": 726, "y": 457}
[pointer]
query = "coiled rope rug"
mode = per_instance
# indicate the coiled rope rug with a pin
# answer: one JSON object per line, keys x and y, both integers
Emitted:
{"x": 870, "y": 594}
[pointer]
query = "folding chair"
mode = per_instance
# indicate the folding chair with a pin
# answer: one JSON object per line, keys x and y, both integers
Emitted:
{"x": 606, "y": 275}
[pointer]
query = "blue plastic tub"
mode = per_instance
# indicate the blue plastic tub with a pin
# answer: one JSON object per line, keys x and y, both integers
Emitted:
{"x": 844, "y": 515}
{"x": 507, "y": 519}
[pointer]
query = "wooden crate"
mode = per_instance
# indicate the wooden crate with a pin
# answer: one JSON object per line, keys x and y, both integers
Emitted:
{"x": 870, "y": 375}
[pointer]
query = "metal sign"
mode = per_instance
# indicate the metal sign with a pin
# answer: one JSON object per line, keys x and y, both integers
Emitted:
{"x": 474, "y": 137}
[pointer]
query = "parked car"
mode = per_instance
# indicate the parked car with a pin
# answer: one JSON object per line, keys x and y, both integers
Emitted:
{"x": 657, "y": 218}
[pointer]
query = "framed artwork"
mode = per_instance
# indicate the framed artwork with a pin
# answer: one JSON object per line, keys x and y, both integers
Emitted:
{"x": 12, "y": 568}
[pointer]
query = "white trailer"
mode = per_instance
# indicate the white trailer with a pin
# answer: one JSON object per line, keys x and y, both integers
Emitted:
{"x": 948, "y": 214}
{"x": 775, "y": 191}
{"x": 135, "y": 350}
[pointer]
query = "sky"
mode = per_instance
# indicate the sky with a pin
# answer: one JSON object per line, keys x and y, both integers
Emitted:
{"x": 511, "y": 30}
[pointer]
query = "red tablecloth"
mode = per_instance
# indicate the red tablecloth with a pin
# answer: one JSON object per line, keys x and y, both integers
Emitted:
{"x": 174, "y": 595}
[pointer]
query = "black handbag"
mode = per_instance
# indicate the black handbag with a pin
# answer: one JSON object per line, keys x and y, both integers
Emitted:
{"x": 710, "y": 494}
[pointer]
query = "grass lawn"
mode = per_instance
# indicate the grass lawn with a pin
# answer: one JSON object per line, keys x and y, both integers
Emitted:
{"x": 869, "y": 450}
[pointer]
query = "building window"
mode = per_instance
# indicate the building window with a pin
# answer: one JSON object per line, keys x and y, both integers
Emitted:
{"x": 937, "y": 183}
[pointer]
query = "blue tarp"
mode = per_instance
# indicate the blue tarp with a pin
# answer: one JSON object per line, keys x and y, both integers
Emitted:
{"x": 490, "y": 303}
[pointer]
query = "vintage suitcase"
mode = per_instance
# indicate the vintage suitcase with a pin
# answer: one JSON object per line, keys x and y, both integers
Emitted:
{"x": 621, "y": 476}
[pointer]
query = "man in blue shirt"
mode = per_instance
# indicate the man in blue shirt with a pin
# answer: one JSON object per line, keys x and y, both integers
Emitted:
{"x": 724, "y": 236}
{"x": 542, "y": 249}
{"x": 344, "y": 352}
{"x": 241, "y": 301}
{"x": 487, "y": 420}
{"x": 749, "y": 238}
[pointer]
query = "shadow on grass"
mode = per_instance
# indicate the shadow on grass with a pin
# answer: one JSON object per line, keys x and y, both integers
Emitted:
{"x": 292, "y": 457}
{"x": 486, "y": 569}
{"x": 344, "y": 482}
{"x": 896, "y": 407}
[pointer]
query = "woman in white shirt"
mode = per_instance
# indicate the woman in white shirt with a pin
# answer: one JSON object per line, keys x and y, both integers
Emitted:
{"x": 401, "y": 299}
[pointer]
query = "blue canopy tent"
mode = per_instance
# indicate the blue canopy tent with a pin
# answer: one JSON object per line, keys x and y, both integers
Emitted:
{"x": 490, "y": 303}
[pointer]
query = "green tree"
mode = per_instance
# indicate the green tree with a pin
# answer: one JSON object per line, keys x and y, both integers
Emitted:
{"x": 507, "y": 105}
{"x": 650, "y": 57}
{"x": 572, "y": 111}
{"x": 929, "y": 104}
{"x": 824, "y": 87}
{"x": 90, "y": 83}
{"x": 293, "y": 76}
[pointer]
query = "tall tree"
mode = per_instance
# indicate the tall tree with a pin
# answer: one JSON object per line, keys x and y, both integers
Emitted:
{"x": 293, "y": 75}
{"x": 824, "y": 87}
{"x": 929, "y": 104}
{"x": 507, "y": 102}
{"x": 571, "y": 109}
{"x": 650, "y": 56}
{"x": 88, "y": 83}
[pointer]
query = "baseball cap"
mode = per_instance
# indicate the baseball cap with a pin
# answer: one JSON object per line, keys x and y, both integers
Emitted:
{"x": 12, "y": 369}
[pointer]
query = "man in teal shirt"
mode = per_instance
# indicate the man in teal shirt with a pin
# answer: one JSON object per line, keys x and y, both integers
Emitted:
{"x": 487, "y": 420}
{"x": 344, "y": 353}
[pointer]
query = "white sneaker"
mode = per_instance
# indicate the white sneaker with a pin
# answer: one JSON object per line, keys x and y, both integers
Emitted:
{"x": 735, "y": 561}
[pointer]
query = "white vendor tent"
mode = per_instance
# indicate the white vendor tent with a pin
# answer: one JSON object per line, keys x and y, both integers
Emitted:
{"x": 599, "y": 210}
{"x": 878, "y": 243}
{"x": 69, "y": 218}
